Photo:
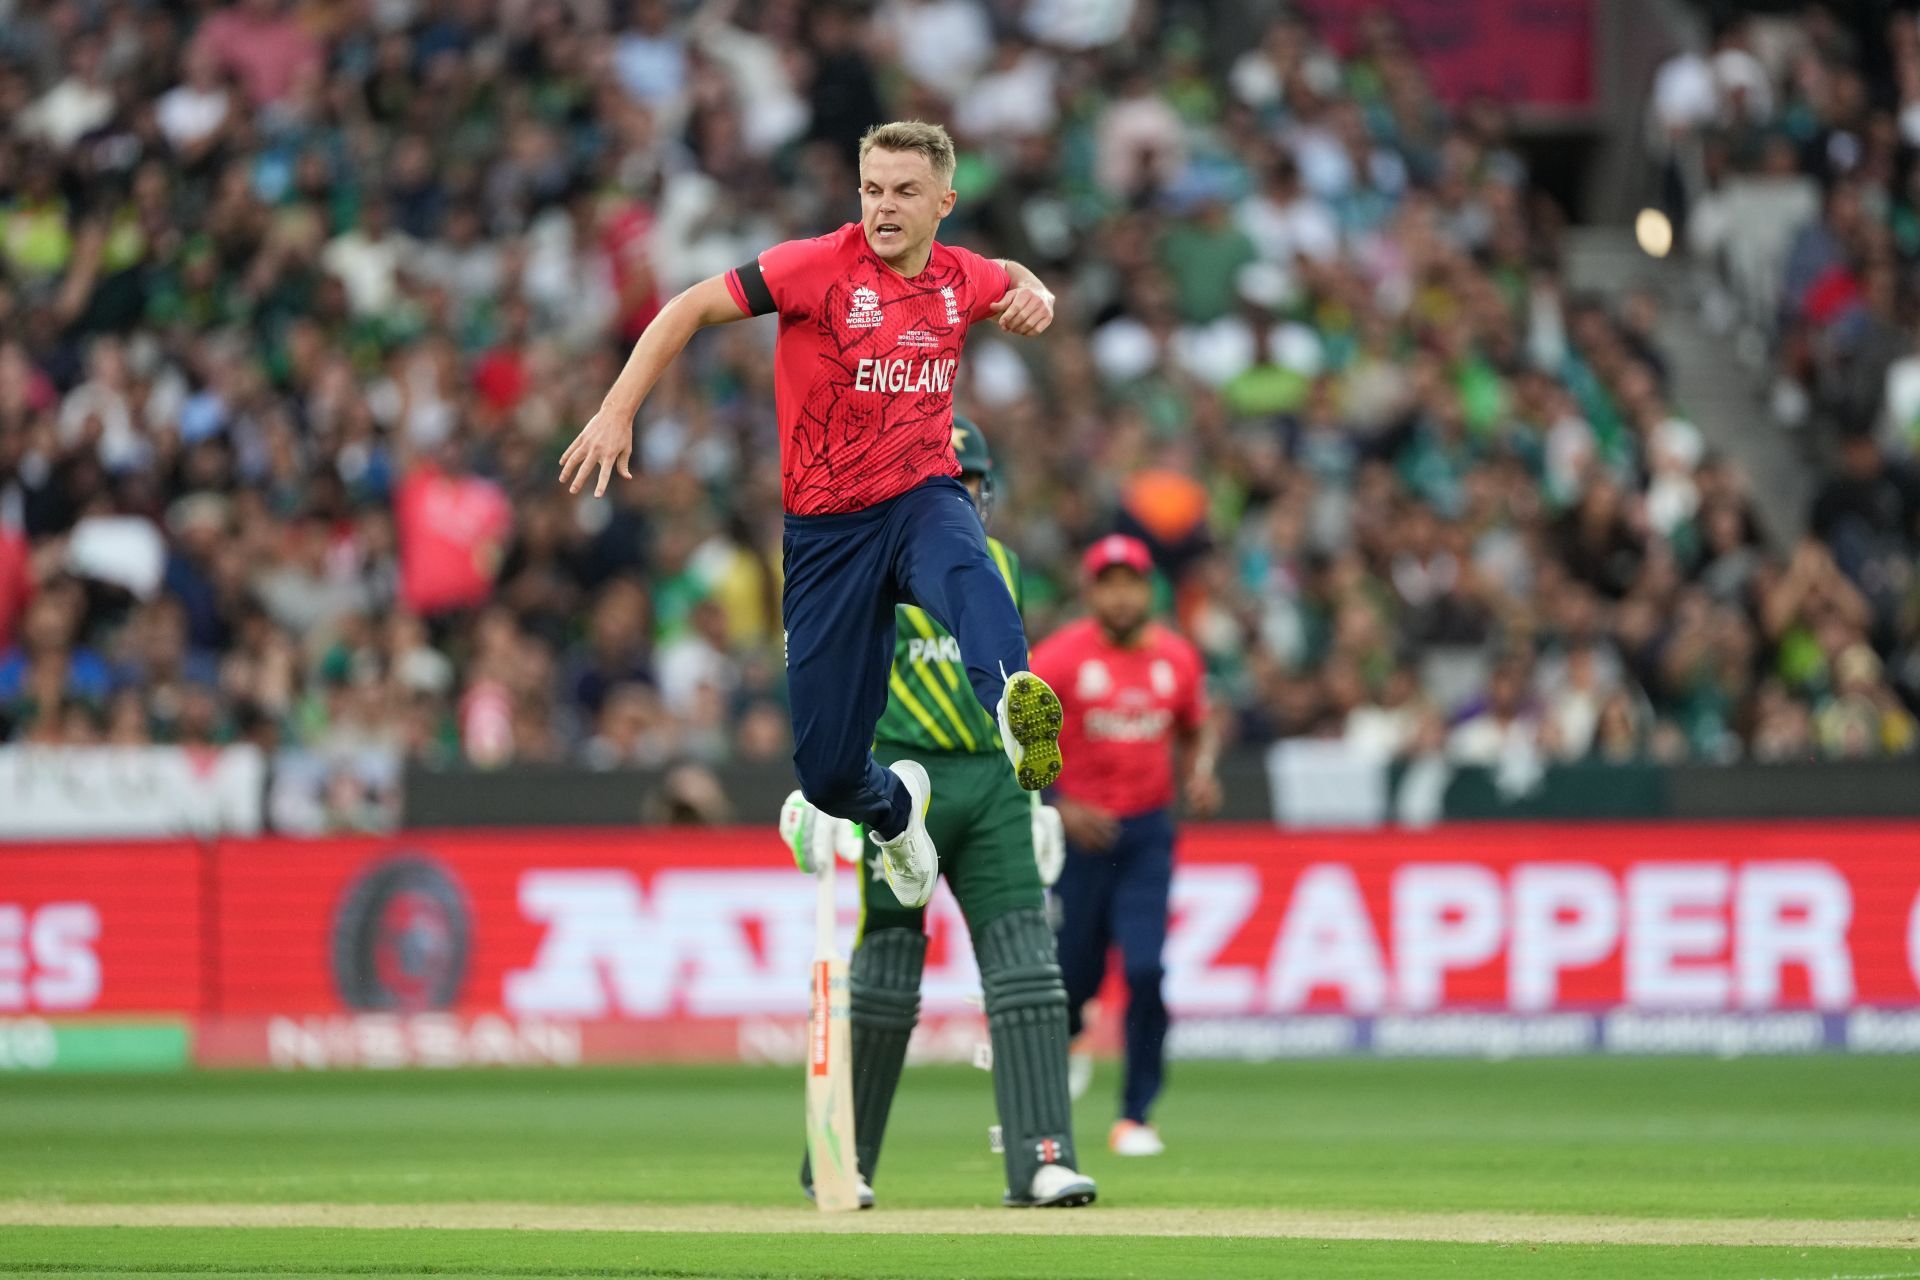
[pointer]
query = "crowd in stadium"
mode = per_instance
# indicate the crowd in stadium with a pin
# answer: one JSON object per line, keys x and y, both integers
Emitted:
{"x": 300, "y": 302}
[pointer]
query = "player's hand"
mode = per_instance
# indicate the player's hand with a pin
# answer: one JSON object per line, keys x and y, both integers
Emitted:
{"x": 796, "y": 829}
{"x": 1203, "y": 794}
{"x": 603, "y": 444}
{"x": 1049, "y": 842}
{"x": 1024, "y": 311}
{"x": 1094, "y": 830}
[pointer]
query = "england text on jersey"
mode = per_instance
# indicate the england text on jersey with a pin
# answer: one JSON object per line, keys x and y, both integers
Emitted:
{"x": 905, "y": 375}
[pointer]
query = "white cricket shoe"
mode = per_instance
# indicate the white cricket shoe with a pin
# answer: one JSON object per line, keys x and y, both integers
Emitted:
{"x": 1030, "y": 718}
{"x": 1055, "y": 1186}
{"x": 1131, "y": 1138}
{"x": 866, "y": 1193}
{"x": 908, "y": 860}
{"x": 1079, "y": 1074}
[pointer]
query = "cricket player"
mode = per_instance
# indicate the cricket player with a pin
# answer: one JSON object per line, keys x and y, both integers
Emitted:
{"x": 1135, "y": 697}
{"x": 872, "y": 321}
{"x": 999, "y": 844}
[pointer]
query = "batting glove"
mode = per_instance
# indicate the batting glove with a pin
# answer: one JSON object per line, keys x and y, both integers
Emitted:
{"x": 804, "y": 830}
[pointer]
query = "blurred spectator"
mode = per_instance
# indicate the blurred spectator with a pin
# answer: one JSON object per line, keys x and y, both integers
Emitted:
{"x": 631, "y": 730}
{"x": 942, "y": 44}
{"x": 80, "y": 103}
{"x": 614, "y": 651}
{"x": 1505, "y": 725}
{"x": 194, "y": 112}
{"x": 689, "y": 795}
{"x": 1860, "y": 717}
{"x": 698, "y": 659}
{"x": 368, "y": 258}
{"x": 48, "y": 665}
{"x": 264, "y": 45}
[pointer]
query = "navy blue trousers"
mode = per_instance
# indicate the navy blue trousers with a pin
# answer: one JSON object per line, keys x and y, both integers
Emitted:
{"x": 1120, "y": 897}
{"x": 844, "y": 575}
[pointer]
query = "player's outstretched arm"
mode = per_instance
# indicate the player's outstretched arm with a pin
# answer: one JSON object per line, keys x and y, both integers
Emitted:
{"x": 1027, "y": 308}
{"x": 607, "y": 441}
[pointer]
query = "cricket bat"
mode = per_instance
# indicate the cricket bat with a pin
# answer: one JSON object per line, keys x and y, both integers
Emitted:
{"x": 836, "y": 1171}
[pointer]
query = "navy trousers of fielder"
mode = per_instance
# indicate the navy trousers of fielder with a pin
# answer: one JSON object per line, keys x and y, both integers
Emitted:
{"x": 844, "y": 575}
{"x": 1120, "y": 897}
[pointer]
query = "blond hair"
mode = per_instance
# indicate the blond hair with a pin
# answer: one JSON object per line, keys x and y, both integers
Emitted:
{"x": 930, "y": 140}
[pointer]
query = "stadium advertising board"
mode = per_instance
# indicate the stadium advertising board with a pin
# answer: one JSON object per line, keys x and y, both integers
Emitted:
{"x": 101, "y": 955}
{"x": 546, "y": 946}
{"x": 100, "y": 929}
{"x": 561, "y": 947}
{"x": 92, "y": 793}
{"x": 532, "y": 947}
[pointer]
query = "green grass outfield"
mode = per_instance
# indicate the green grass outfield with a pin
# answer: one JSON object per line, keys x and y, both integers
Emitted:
{"x": 1569, "y": 1167}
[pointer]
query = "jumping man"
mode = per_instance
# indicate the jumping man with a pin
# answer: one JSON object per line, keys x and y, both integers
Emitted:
{"x": 999, "y": 844}
{"x": 872, "y": 321}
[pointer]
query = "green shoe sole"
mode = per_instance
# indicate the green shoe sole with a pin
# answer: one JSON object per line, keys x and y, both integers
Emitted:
{"x": 1032, "y": 715}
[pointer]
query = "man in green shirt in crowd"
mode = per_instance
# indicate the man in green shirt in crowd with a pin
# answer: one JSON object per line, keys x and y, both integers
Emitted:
{"x": 997, "y": 844}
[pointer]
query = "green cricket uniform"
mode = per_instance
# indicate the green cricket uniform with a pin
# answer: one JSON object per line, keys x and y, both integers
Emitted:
{"x": 980, "y": 819}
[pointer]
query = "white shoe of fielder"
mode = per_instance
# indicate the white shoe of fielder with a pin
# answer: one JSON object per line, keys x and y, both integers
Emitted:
{"x": 909, "y": 861}
{"x": 1131, "y": 1138}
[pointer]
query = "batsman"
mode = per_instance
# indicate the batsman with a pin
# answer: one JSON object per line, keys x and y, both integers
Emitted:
{"x": 997, "y": 843}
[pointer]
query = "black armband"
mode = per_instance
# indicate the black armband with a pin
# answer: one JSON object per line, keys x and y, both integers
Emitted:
{"x": 753, "y": 288}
